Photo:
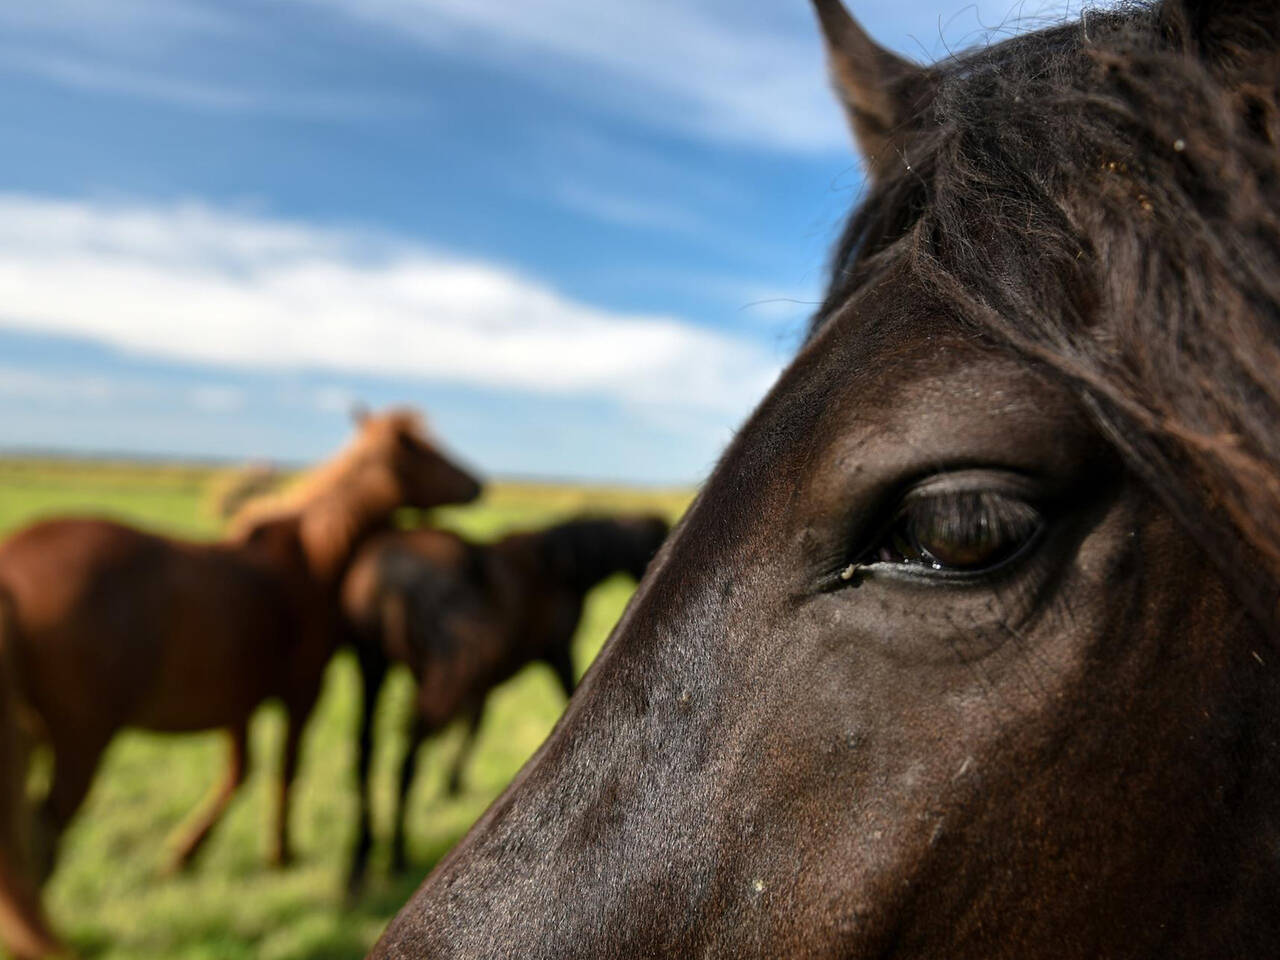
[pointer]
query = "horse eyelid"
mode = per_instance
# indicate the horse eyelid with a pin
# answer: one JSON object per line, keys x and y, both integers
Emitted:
{"x": 935, "y": 492}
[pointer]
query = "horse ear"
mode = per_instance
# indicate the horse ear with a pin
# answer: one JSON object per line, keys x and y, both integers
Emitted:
{"x": 360, "y": 414}
{"x": 1233, "y": 34}
{"x": 882, "y": 93}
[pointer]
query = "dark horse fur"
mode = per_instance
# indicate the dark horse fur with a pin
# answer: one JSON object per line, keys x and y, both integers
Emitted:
{"x": 465, "y": 617}
{"x": 112, "y": 627}
{"x": 968, "y": 647}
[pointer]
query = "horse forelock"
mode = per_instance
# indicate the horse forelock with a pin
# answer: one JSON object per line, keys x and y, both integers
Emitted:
{"x": 1103, "y": 203}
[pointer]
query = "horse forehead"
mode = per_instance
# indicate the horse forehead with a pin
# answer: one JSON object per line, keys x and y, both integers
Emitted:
{"x": 883, "y": 371}
{"x": 876, "y": 394}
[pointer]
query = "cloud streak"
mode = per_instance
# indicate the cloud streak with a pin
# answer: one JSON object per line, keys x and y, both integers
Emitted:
{"x": 228, "y": 288}
{"x": 84, "y": 73}
{"x": 739, "y": 73}
{"x": 711, "y": 73}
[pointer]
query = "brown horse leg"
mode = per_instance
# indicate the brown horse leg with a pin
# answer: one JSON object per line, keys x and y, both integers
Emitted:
{"x": 408, "y": 771}
{"x": 281, "y": 852}
{"x": 373, "y": 671}
{"x": 193, "y": 836}
{"x": 75, "y": 760}
{"x": 475, "y": 713}
{"x": 24, "y": 929}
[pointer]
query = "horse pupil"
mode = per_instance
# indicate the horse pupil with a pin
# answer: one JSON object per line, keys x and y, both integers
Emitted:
{"x": 954, "y": 549}
{"x": 963, "y": 532}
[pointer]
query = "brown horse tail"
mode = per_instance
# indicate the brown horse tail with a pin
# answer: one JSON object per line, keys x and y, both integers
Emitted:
{"x": 23, "y": 927}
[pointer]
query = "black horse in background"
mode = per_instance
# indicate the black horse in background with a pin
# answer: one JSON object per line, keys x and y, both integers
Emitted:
{"x": 968, "y": 647}
{"x": 465, "y": 617}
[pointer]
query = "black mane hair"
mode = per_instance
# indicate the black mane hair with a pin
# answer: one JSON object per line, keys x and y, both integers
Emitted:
{"x": 1102, "y": 199}
{"x": 585, "y": 550}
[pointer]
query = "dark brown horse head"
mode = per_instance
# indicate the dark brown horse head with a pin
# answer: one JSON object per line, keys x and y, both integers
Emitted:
{"x": 967, "y": 648}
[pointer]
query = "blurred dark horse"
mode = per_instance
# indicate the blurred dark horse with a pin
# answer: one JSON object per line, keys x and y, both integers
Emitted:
{"x": 968, "y": 648}
{"x": 465, "y": 617}
{"x": 112, "y": 627}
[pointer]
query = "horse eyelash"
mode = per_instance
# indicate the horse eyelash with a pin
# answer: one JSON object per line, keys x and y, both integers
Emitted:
{"x": 953, "y": 508}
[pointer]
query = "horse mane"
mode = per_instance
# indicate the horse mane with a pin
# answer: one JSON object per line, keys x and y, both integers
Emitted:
{"x": 584, "y": 550}
{"x": 232, "y": 491}
{"x": 337, "y": 501}
{"x": 333, "y": 476}
{"x": 1101, "y": 199}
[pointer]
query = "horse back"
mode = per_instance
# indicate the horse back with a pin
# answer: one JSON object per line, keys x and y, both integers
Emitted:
{"x": 542, "y": 607}
{"x": 122, "y": 627}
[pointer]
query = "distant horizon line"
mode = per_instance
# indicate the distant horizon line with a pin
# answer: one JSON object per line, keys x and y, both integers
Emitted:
{"x": 216, "y": 461}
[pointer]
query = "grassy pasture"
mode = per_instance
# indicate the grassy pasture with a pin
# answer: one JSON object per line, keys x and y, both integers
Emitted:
{"x": 108, "y": 897}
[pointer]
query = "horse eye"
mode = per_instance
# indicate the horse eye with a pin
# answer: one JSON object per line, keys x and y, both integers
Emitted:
{"x": 959, "y": 532}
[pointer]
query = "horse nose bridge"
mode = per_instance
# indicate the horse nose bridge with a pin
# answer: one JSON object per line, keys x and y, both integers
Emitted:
{"x": 615, "y": 809}
{"x": 621, "y": 798}
{"x": 618, "y": 801}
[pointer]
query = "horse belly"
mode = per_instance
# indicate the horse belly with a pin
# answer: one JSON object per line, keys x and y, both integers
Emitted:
{"x": 220, "y": 661}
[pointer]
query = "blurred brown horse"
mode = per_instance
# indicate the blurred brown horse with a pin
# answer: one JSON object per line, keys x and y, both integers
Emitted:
{"x": 24, "y": 929}
{"x": 465, "y": 617}
{"x": 113, "y": 627}
{"x": 970, "y": 646}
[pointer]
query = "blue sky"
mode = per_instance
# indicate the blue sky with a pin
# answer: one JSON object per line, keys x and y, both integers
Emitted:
{"x": 583, "y": 235}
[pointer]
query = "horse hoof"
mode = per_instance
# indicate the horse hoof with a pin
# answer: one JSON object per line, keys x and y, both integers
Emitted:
{"x": 177, "y": 864}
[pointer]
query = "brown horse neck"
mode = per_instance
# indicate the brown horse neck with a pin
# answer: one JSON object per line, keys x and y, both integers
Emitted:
{"x": 334, "y": 526}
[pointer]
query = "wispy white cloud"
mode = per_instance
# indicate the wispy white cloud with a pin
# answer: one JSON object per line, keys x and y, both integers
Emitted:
{"x": 124, "y": 24}
{"x": 159, "y": 51}
{"x": 167, "y": 86}
{"x": 73, "y": 389}
{"x": 217, "y": 398}
{"x": 628, "y": 211}
{"x": 692, "y": 65}
{"x": 333, "y": 399}
{"x": 230, "y": 288}
{"x": 64, "y": 390}
{"x": 737, "y": 72}
{"x": 732, "y": 71}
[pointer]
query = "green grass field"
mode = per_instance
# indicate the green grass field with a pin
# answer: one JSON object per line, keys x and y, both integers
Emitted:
{"x": 108, "y": 897}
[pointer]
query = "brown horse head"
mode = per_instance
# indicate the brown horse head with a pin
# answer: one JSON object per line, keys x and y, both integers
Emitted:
{"x": 395, "y": 449}
{"x": 967, "y": 648}
{"x": 391, "y": 463}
